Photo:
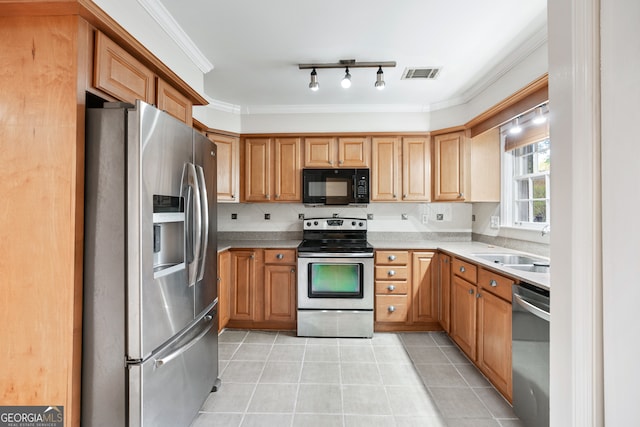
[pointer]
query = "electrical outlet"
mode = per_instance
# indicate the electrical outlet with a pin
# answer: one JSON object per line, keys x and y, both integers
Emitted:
{"x": 425, "y": 218}
{"x": 495, "y": 222}
{"x": 267, "y": 216}
{"x": 300, "y": 216}
{"x": 439, "y": 217}
{"x": 473, "y": 218}
{"x": 234, "y": 216}
{"x": 405, "y": 216}
{"x": 369, "y": 216}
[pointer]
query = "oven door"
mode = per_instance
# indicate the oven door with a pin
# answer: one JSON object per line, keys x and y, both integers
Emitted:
{"x": 336, "y": 282}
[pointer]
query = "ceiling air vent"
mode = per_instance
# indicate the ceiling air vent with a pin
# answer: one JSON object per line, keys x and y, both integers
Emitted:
{"x": 429, "y": 73}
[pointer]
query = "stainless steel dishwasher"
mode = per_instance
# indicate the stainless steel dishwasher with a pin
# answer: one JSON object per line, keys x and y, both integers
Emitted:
{"x": 530, "y": 333}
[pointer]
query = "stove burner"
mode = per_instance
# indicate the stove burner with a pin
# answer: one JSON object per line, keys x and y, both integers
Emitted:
{"x": 335, "y": 235}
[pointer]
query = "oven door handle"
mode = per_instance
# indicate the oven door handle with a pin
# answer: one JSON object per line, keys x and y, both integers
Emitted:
{"x": 334, "y": 255}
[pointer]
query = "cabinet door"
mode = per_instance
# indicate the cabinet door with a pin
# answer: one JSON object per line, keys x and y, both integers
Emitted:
{"x": 353, "y": 152}
{"x": 463, "y": 315}
{"x": 448, "y": 167}
{"x": 224, "y": 295}
{"x": 286, "y": 171}
{"x": 424, "y": 306}
{"x": 484, "y": 168}
{"x": 445, "y": 291}
{"x": 280, "y": 294}
{"x": 227, "y": 155}
{"x": 416, "y": 170}
{"x": 319, "y": 152}
{"x": 385, "y": 174}
{"x": 243, "y": 285}
{"x": 119, "y": 74}
{"x": 257, "y": 169}
{"x": 173, "y": 102}
{"x": 494, "y": 341}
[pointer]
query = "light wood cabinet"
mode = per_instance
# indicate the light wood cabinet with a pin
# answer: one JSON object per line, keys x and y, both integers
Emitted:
{"x": 449, "y": 163}
{"x": 444, "y": 300}
{"x": 170, "y": 100}
{"x": 245, "y": 265}
{"x": 280, "y": 288}
{"x": 336, "y": 152}
{"x": 272, "y": 170}
{"x": 463, "y": 315}
{"x": 392, "y": 286}
{"x": 228, "y": 172}
{"x": 424, "y": 302}
{"x": 224, "y": 295}
{"x": 400, "y": 169}
{"x": 484, "y": 167}
{"x": 119, "y": 74}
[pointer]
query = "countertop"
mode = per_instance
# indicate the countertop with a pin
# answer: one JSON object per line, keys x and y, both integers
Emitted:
{"x": 465, "y": 250}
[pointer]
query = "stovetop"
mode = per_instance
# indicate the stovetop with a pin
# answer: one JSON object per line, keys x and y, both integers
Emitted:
{"x": 336, "y": 235}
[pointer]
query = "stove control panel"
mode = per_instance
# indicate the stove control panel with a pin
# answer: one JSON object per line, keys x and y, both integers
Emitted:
{"x": 359, "y": 224}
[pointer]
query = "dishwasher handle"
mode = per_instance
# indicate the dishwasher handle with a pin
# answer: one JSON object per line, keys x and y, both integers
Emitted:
{"x": 536, "y": 311}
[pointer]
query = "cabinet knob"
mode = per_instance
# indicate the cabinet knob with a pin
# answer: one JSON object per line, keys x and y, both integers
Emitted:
{"x": 392, "y": 257}
{"x": 493, "y": 283}
{"x": 233, "y": 196}
{"x": 293, "y": 270}
{"x": 446, "y": 260}
{"x": 266, "y": 196}
{"x": 462, "y": 269}
{"x": 391, "y": 288}
{"x": 340, "y": 162}
{"x": 279, "y": 256}
{"x": 470, "y": 291}
{"x": 252, "y": 256}
{"x": 461, "y": 195}
{"x": 331, "y": 162}
{"x": 404, "y": 196}
{"x": 394, "y": 196}
{"x": 391, "y": 309}
{"x": 219, "y": 279}
{"x": 277, "y": 196}
{"x": 478, "y": 295}
{"x": 391, "y": 272}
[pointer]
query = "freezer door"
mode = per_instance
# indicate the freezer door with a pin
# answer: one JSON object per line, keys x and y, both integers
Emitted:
{"x": 159, "y": 213}
{"x": 169, "y": 389}
{"x": 205, "y": 160}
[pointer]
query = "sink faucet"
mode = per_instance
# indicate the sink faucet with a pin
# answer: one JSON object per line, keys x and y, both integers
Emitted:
{"x": 546, "y": 230}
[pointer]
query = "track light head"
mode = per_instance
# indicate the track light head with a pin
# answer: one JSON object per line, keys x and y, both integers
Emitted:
{"x": 380, "y": 79}
{"x": 515, "y": 127}
{"x": 314, "y": 85}
{"x": 346, "y": 80}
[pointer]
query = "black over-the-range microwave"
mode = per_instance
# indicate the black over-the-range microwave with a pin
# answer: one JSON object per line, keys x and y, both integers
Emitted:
{"x": 335, "y": 186}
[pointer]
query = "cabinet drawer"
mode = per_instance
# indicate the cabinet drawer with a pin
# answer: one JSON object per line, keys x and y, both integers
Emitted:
{"x": 464, "y": 269}
{"x": 496, "y": 284}
{"x": 391, "y": 308}
{"x": 392, "y": 257}
{"x": 279, "y": 256}
{"x": 391, "y": 272}
{"x": 392, "y": 288}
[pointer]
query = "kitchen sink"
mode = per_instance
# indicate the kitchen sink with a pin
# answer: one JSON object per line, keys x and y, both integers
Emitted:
{"x": 531, "y": 268}
{"x": 510, "y": 259}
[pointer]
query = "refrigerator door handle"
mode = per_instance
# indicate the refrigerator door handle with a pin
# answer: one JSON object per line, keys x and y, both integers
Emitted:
{"x": 168, "y": 358}
{"x": 193, "y": 232}
{"x": 204, "y": 231}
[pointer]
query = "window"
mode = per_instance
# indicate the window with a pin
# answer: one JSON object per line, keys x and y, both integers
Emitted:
{"x": 526, "y": 175}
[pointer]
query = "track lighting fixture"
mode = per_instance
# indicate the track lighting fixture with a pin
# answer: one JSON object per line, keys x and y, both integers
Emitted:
{"x": 346, "y": 80}
{"x": 380, "y": 79}
{"x": 515, "y": 127}
{"x": 346, "y": 64}
{"x": 538, "y": 117}
{"x": 313, "y": 85}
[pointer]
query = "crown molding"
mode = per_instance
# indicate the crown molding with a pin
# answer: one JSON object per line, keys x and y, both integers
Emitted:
{"x": 162, "y": 16}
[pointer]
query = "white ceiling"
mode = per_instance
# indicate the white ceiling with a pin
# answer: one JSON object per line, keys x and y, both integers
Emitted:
{"x": 255, "y": 47}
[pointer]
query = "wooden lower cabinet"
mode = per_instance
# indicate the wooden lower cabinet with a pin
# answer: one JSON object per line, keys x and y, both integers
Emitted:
{"x": 444, "y": 291}
{"x": 224, "y": 296}
{"x": 263, "y": 289}
{"x": 424, "y": 303}
{"x": 463, "y": 315}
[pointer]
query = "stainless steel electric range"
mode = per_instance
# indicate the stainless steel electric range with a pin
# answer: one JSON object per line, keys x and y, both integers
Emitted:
{"x": 335, "y": 279}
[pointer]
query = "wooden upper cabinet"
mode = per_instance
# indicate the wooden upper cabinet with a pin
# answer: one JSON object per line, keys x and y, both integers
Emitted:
{"x": 228, "y": 172}
{"x": 174, "y": 103}
{"x": 484, "y": 168}
{"x": 119, "y": 74}
{"x": 330, "y": 152}
{"x": 385, "y": 165}
{"x": 286, "y": 170}
{"x": 416, "y": 169}
{"x": 449, "y": 164}
{"x": 272, "y": 170}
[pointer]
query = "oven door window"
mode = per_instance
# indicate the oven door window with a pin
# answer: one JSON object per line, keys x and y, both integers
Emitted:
{"x": 330, "y": 280}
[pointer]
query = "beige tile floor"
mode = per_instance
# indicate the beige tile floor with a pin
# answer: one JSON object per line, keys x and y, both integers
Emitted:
{"x": 394, "y": 379}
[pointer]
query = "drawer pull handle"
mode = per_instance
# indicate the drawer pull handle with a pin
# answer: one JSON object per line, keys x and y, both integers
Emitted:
{"x": 462, "y": 269}
{"x": 391, "y": 288}
{"x": 391, "y": 309}
{"x": 493, "y": 283}
{"x": 279, "y": 256}
{"x": 391, "y": 273}
{"x": 392, "y": 257}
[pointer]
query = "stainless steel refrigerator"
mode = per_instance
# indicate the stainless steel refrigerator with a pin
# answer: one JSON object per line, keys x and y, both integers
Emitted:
{"x": 150, "y": 332}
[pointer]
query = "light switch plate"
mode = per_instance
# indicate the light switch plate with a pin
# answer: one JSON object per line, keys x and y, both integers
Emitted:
{"x": 495, "y": 222}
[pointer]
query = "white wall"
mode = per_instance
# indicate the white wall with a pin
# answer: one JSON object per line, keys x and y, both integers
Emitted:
{"x": 620, "y": 45}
